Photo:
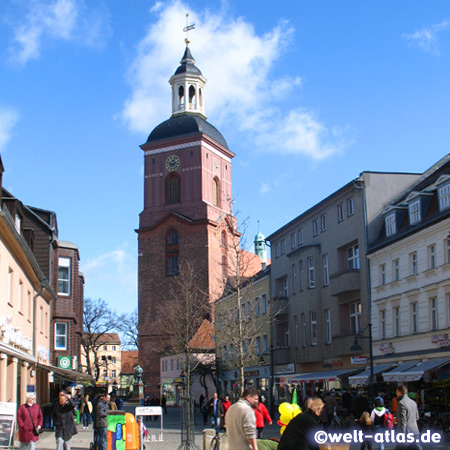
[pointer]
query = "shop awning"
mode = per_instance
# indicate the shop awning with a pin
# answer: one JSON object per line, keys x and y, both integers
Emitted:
{"x": 329, "y": 375}
{"x": 395, "y": 375}
{"x": 363, "y": 377}
{"x": 68, "y": 375}
{"x": 416, "y": 373}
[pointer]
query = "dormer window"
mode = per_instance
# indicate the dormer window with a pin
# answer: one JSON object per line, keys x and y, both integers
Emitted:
{"x": 391, "y": 225}
{"x": 414, "y": 212}
{"x": 444, "y": 197}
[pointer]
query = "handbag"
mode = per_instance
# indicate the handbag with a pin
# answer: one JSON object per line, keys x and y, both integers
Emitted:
{"x": 36, "y": 432}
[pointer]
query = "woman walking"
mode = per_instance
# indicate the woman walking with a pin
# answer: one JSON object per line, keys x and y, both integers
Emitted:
{"x": 29, "y": 419}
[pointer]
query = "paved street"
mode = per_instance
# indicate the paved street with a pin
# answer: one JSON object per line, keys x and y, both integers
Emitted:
{"x": 172, "y": 435}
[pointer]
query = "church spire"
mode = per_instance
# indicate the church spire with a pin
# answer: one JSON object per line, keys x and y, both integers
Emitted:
{"x": 188, "y": 85}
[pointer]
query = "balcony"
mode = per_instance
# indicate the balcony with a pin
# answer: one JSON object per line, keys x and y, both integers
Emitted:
{"x": 281, "y": 355}
{"x": 345, "y": 282}
{"x": 280, "y": 306}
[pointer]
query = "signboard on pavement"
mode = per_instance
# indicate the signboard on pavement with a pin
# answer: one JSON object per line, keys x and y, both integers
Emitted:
{"x": 7, "y": 421}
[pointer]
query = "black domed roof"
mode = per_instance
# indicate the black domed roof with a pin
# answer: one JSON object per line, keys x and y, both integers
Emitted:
{"x": 185, "y": 125}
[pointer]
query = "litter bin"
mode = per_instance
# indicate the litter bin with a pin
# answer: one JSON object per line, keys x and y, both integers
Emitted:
{"x": 77, "y": 417}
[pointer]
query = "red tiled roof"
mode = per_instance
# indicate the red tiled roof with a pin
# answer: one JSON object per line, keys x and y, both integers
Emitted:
{"x": 204, "y": 338}
{"x": 107, "y": 338}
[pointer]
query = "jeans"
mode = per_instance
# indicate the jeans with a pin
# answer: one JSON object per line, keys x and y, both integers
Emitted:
{"x": 215, "y": 423}
{"x": 61, "y": 444}
{"x": 101, "y": 438}
{"x": 86, "y": 417}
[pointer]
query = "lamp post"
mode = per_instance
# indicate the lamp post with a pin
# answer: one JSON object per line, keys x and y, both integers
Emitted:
{"x": 357, "y": 348}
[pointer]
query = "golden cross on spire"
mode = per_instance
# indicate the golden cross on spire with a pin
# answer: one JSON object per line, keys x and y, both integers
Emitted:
{"x": 187, "y": 28}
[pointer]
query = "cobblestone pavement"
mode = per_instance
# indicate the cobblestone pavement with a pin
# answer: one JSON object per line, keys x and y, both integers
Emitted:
{"x": 172, "y": 436}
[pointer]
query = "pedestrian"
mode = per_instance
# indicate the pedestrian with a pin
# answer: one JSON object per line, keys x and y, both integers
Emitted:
{"x": 63, "y": 420}
{"x": 407, "y": 416}
{"x": 85, "y": 411}
{"x": 330, "y": 406}
{"x": 29, "y": 419}
{"x": 241, "y": 421}
{"x": 262, "y": 416}
{"x": 361, "y": 404}
{"x": 155, "y": 402}
{"x": 365, "y": 423}
{"x": 204, "y": 409}
{"x": 299, "y": 433}
{"x": 101, "y": 410}
{"x": 215, "y": 411}
{"x": 378, "y": 418}
{"x": 226, "y": 406}
{"x": 164, "y": 403}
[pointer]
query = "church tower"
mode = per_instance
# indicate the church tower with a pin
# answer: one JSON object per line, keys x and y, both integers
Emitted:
{"x": 187, "y": 202}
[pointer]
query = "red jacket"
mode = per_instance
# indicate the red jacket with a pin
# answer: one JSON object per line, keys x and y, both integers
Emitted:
{"x": 261, "y": 413}
{"x": 24, "y": 422}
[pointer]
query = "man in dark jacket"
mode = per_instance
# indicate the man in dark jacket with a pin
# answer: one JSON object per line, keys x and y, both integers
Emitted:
{"x": 64, "y": 420}
{"x": 216, "y": 411}
{"x": 101, "y": 408}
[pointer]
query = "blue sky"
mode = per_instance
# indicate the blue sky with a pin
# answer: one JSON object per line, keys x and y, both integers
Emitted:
{"x": 308, "y": 94}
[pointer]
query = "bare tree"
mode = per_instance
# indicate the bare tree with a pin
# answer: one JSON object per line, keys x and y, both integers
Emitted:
{"x": 98, "y": 321}
{"x": 179, "y": 319}
{"x": 238, "y": 322}
{"x": 129, "y": 331}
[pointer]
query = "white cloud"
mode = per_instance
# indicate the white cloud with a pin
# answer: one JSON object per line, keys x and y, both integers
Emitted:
{"x": 8, "y": 118}
{"x": 265, "y": 188}
{"x": 427, "y": 38}
{"x": 57, "y": 20}
{"x": 242, "y": 94}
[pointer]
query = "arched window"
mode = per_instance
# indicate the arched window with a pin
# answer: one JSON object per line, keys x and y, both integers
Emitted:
{"x": 200, "y": 97}
{"x": 216, "y": 192}
{"x": 173, "y": 188}
{"x": 181, "y": 97}
{"x": 172, "y": 250}
{"x": 192, "y": 97}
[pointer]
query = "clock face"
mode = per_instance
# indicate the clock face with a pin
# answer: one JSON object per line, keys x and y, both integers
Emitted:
{"x": 172, "y": 163}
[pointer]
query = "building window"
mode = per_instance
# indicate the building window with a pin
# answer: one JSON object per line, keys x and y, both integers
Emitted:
{"x": 341, "y": 212}
{"x": 350, "y": 207}
{"x": 313, "y": 321}
{"x": 265, "y": 342}
{"x": 172, "y": 248}
{"x": 172, "y": 265}
{"x": 413, "y": 270}
{"x": 171, "y": 364}
{"x": 173, "y": 188}
{"x": 311, "y": 273}
{"x": 383, "y": 324}
{"x": 294, "y": 278}
{"x": 64, "y": 276}
{"x": 353, "y": 257}
{"x": 60, "y": 336}
{"x": 105, "y": 347}
{"x": 172, "y": 237}
{"x": 391, "y": 226}
{"x": 300, "y": 236}
{"x": 434, "y": 313}
{"x": 414, "y": 212}
{"x": 396, "y": 269}
{"x": 326, "y": 275}
{"x": 19, "y": 297}
{"x": 396, "y": 317}
{"x": 447, "y": 251}
{"x": 264, "y": 303}
{"x": 113, "y": 373}
{"x": 105, "y": 373}
{"x": 283, "y": 246}
{"x": 258, "y": 345}
{"x": 414, "y": 317}
{"x": 303, "y": 318}
{"x": 293, "y": 241}
{"x": 323, "y": 222}
{"x": 327, "y": 326}
{"x": 302, "y": 275}
{"x": 277, "y": 250}
{"x": 29, "y": 306}
{"x": 113, "y": 348}
{"x": 257, "y": 307}
{"x": 10, "y": 286}
{"x": 315, "y": 227}
{"x": 444, "y": 197}
{"x": 432, "y": 264}
{"x": 216, "y": 192}
{"x": 382, "y": 274}
{"x": 297, "y": 337}
{"x": 355, "y": 317}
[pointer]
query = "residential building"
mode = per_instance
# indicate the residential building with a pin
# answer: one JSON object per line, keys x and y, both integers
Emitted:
{"x": 253, "y": 301}
{"x": 129, "y": 360}
{"x": 202, "y": 364}
{"x": 109, "y": 356}
{"x": 410, "y": 279}
{"x": 319, "y": 283}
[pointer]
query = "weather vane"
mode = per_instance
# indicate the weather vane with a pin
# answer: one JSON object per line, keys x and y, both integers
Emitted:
{"x": 188, "y": 28}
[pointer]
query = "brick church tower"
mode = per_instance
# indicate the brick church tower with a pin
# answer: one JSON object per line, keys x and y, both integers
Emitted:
{"x": 187, "y": 192}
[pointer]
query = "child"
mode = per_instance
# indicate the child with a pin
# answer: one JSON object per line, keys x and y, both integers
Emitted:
{"x": 365, "y": 422}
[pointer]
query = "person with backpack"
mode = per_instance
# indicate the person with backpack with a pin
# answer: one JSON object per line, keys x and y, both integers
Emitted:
{"x": 379, "y": 418}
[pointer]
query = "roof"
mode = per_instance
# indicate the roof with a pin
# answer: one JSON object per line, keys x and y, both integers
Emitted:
{"x": 106, "y": 338}
{"x": 186, "y": 124}
{"x": 129, "y": 360}
{"x": 187, "y": 64}
{"x": 204, "y": 337}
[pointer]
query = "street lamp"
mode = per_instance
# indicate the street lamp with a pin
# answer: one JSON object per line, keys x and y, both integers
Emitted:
{"x": 357, "y": 348}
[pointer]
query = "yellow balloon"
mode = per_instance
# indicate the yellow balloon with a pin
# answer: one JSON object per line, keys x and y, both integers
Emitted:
{"x": 285, "y": 418}
{"x": 296, "y": 408}
{"x": 285, "y": 409}
{"x": 296, "y": 412}
{"x": 282, "y": 430}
